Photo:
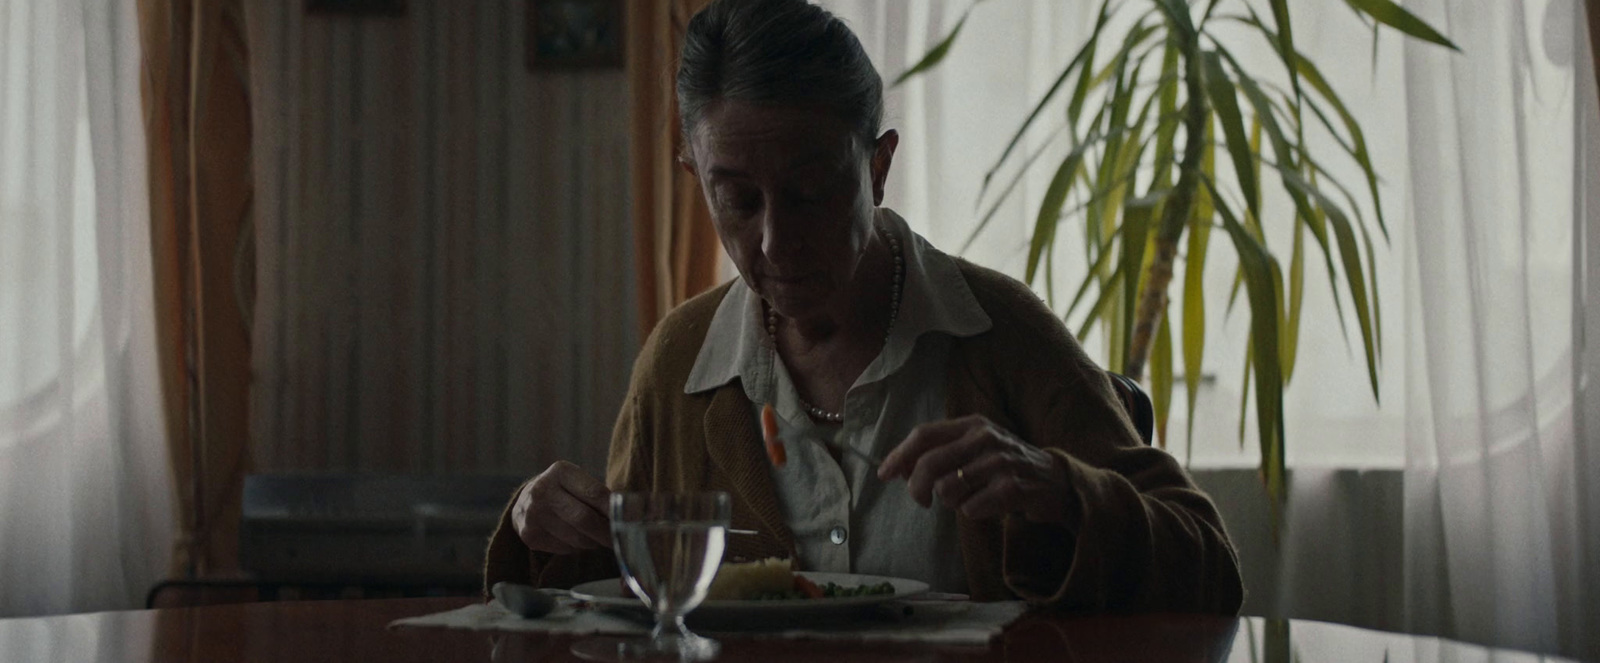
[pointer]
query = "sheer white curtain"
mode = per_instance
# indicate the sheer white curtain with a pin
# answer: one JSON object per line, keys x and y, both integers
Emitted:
{"x": 1494, "y": 520}
{"x": 1477, "y": 287}
{"x": 85, "y": 517}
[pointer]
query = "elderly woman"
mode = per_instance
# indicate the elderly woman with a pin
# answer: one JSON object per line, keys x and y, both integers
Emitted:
{"x": 1009, "y": 469}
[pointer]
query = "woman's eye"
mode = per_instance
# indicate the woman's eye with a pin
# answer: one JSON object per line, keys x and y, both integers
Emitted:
{"x": 807, "y": 195}
{"x": 812, "y": 190}
{"x": 741, "y": 201}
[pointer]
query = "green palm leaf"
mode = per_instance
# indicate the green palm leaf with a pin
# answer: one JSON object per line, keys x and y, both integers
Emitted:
{"x": 1219, "y": 90}
{"x": 1291, "y": 322}
{"x": 1194, "y": 301}
{"x": 937, "y": 53}
{"x": 1263, "y": 292}
{"x": 1044, "y": 227}
{"x": 1166, "y": 134}
{"x": 1353, "y": 270}
{"x": 1161, "y": 377}
{"x": 1392, "y": 15}
{"x": 1108, "y": 294}
{"x": 1177, "y": 14}
{"x": 1286, "y": 51}
{"x": 1096, "y": 269}
{"x": 1357, "y": 147}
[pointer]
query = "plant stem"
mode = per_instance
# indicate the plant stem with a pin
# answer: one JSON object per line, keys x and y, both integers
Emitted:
{"x": 1174, "y": 218}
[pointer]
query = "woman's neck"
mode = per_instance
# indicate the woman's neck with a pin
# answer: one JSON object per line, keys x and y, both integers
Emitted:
{"x": 863, "y": 312}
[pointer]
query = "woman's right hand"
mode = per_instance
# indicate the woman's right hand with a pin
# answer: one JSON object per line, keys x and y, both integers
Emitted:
{"x": 562, "y": 511}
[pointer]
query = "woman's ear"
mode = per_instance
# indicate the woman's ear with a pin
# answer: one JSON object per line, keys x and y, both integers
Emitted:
{"x": 687, "y": 164}
{"x": 882, "y": 158}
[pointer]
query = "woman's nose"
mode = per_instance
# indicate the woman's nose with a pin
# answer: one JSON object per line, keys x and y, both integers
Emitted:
{"x": 781, "y": 235}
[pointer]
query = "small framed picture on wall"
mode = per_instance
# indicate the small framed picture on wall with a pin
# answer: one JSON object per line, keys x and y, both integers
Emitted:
{"x": 568, "y": 34}
{"x": 357, "y": 7}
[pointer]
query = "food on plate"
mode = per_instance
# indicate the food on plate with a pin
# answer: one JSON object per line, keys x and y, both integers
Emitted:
{"x": 742, "y": 580}
{"x": 769, "y": 431}
{"x": 774, "y": 579}
{"x": 805, "y": 589}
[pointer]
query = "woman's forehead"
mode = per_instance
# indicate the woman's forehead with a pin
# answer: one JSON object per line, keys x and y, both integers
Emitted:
{"x": 774, "y": 135}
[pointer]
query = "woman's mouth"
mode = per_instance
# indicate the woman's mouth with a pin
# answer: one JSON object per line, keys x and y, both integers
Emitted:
{"x": 791, "y": 285}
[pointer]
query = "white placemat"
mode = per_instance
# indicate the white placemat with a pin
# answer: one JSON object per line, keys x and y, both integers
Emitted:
{"x": 934, "y": 622}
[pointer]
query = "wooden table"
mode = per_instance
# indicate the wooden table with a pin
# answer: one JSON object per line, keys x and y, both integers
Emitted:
{"x": 306, "y": 632}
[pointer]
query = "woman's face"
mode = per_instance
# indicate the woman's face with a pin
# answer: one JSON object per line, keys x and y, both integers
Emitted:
{"x": 791, "y": 193}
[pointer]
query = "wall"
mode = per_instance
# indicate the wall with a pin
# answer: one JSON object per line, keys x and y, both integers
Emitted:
{"x": 445, "y": 280}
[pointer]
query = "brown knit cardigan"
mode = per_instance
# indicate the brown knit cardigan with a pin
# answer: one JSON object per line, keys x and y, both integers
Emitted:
{"x": 1148, "y": 539}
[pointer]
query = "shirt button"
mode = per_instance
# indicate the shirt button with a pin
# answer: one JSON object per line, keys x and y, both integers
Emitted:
{"x": 837, "y": 535}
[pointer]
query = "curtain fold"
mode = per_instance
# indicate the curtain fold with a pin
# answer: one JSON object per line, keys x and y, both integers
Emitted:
{"x": 1494, "y": 514}
{"x": 85, "y": 504}
{"x": 1587, "y": 378}
{"x": 197, "y": 123}
{"x": 1592, "y": 17}
{"x": 676, "y": 248}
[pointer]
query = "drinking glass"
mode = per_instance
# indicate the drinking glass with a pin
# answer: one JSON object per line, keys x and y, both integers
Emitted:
{"x": 668, "y": 547}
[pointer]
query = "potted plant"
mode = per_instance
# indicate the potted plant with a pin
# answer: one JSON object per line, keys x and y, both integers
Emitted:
{"x": 1143, "y": 114}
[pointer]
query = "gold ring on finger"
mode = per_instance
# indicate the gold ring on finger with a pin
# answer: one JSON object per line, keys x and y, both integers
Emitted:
{"x": 961, "y": 474}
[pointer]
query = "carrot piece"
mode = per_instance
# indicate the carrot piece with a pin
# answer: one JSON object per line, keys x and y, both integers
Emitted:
{"x": 769, "y": 422}
{"x": 769, "y": 430}
{"x": 776, "y": 452}
{"x": 806, "y": 588}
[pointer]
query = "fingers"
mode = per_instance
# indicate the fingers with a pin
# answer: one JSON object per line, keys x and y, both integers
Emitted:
{"x": 562, "y": 511}
{"x": 954, "y": 490}
{"x": 561, "y": 539}
{"x": 903, "y": 458}
{"x": 998, "y": 497}
{"x": 975, "y": 467}
{"x": 1023, "y": 481}
{"x": 586, "y": 488}
{"x": 942, "y": 462}
{"x": 587, "y": 525}
{"x": 535, "y": 531}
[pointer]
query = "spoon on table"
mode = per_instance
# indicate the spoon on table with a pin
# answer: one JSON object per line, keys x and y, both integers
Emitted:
{"x": 525, "y": 600}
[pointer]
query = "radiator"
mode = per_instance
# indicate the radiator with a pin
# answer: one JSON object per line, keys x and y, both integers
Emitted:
{"x": 370, "y": 529}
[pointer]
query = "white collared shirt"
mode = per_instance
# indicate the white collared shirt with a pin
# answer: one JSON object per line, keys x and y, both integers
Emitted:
{"x": 843, "y": 518}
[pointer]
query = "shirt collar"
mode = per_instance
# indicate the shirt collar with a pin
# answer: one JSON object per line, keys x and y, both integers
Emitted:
{"x": 934, "y": 299}
{"x": 735, "y": 344}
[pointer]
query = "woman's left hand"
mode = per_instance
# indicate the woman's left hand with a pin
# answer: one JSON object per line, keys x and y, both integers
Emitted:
{"x": 983, "y": 471}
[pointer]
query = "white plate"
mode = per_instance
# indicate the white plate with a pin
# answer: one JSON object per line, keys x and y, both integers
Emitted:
{"x": 610, "y": 594}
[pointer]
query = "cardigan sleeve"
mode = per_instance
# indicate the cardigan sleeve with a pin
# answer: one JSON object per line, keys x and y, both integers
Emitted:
{"x": 1146, "y": 541}
{"x": 1146, "y": 538}
{"x": 509, "y": 559}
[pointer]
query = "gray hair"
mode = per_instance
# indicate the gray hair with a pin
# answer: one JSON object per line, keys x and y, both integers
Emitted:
{"x": 777, "y": 53}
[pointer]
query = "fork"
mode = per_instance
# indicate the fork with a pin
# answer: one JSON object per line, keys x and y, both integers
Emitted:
{"x": 869, "y": 458}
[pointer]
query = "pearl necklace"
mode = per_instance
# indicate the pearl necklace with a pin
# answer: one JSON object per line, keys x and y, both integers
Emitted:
{"x": 818, "y": 413}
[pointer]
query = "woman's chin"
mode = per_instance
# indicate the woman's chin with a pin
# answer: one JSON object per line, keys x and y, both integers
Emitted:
{"x": 793, "y": 303}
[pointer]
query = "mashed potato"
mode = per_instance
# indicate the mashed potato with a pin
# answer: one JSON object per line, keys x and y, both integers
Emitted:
{"x": 747, "y": 580}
